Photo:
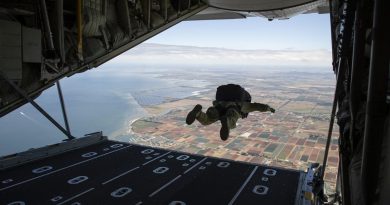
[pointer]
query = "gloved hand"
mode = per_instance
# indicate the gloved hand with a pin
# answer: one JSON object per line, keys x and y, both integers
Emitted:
{"x": 271, "y": 109}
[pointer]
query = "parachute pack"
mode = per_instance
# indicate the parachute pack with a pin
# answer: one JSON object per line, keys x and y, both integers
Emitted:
{"x": 232, "y": 93}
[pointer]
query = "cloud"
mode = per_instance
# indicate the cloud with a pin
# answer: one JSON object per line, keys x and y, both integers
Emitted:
{"x": 158, "y": 54}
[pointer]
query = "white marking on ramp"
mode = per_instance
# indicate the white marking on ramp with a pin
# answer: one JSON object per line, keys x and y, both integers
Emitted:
{"x": 243, "y": 186}
{"x": 164, "y": 186}
{"x": 120, "y": 175}
{"x": 155, "y": 158}
{"x": 76, "y": 196}
{"x": 185, "y": 172}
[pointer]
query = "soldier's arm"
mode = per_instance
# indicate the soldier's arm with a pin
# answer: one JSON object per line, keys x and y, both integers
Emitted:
{"x": 250, "y": 107}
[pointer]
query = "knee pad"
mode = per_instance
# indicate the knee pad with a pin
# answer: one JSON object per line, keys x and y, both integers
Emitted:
{"x": 231, "y": 112}
{"x": 212, "y": 113}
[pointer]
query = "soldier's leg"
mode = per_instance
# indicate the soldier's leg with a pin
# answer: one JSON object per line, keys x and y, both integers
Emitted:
{"x": 209, "y": 117}
{"x": 250, "y": 107}
{"x": 228, "y": 122}
{"x": 232, "y": 116}
{"x": 193, "y": 114}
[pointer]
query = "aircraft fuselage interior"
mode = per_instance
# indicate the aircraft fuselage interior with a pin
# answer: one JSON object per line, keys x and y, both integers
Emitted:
{"x": 43, "y": 41}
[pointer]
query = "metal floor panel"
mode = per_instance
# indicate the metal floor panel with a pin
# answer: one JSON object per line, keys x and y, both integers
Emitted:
{"x": 119, "y": 173}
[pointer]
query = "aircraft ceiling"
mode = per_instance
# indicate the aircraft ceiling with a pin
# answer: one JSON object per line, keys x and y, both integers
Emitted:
{"x": 270, "y": 9}
{"x": 256, "y": 5}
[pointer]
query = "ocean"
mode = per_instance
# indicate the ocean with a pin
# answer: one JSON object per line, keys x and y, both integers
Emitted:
{"x": 97, "y": 100}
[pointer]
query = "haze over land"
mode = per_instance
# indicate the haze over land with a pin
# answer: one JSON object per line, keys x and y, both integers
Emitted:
{"x": 158, "y": 54}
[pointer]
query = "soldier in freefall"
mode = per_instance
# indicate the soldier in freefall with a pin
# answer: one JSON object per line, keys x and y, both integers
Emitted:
{"x": 231, "y": 103}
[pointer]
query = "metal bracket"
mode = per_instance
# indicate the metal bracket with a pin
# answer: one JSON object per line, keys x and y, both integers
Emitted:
{"x": 33, "y": 103}
{"x": 63, "y": 106}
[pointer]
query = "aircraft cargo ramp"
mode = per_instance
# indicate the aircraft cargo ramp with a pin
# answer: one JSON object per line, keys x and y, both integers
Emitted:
{"x": 110, "y": 172}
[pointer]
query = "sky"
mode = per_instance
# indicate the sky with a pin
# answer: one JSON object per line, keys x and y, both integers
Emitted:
{"x": 301, "y": 41}
{"x": 302, "y": 32}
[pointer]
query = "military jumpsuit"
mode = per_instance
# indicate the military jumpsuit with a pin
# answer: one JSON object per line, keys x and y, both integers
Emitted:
{"x": 234, "y": 111}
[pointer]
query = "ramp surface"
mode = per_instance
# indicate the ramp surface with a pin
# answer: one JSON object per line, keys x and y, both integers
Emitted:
{"x": 120, "y": 173}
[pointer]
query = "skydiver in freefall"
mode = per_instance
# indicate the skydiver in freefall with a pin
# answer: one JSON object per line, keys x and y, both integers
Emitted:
{"x": 231, "y": 103}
